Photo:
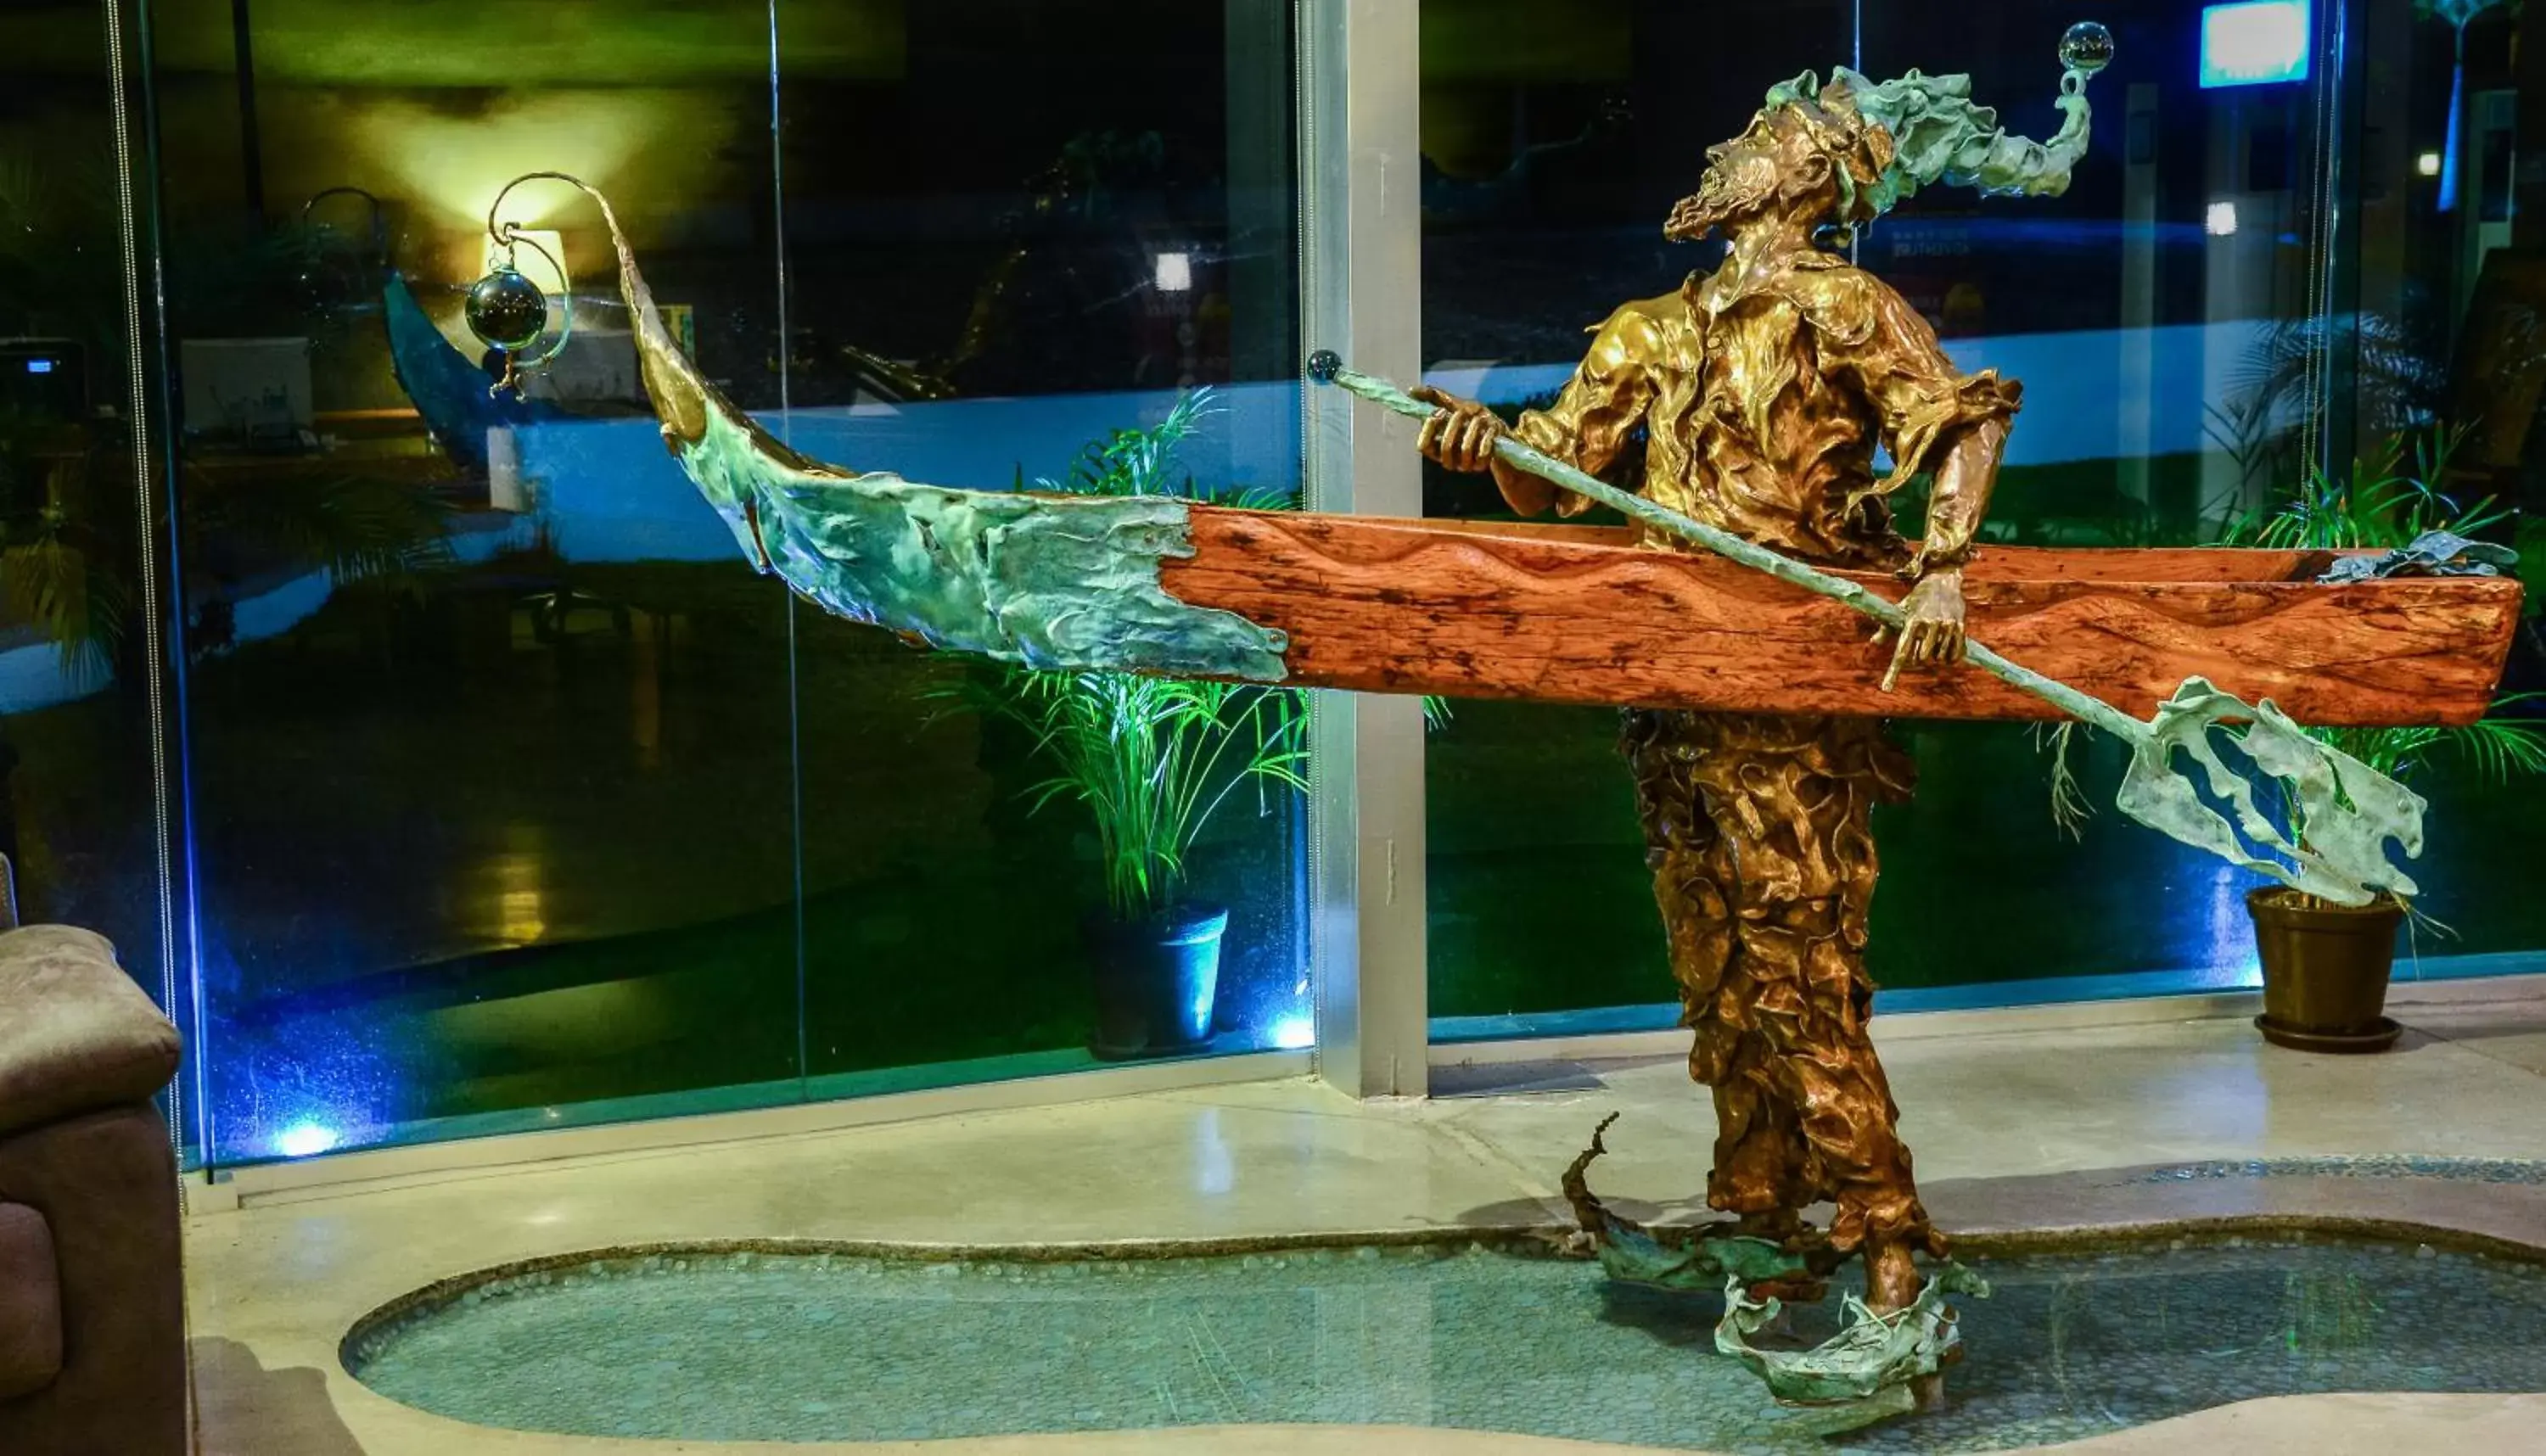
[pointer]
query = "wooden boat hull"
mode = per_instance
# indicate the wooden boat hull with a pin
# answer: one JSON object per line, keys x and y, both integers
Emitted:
{"x": 1585, "y": 615}
{"x": 1556, "y": 613}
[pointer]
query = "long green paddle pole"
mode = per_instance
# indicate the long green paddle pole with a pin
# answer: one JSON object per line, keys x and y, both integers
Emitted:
{"x": 2340, "y": 811}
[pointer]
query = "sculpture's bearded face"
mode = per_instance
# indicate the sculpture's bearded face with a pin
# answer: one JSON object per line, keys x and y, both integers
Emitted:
{"x": 1767, "y": 168}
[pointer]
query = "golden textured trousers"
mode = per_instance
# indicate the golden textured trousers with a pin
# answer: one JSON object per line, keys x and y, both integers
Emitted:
{"x": 1760, "y": 832}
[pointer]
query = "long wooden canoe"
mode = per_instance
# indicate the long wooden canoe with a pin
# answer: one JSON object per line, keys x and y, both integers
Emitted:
{"x": 1557, "y": 613}
{"x": 1585, "y": 615}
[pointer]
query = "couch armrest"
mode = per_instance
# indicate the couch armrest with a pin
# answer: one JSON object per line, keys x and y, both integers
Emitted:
{"x": 105, "y": 1185}
{"x": 77, "y": 1034}
{"x": 30, "y": 1302}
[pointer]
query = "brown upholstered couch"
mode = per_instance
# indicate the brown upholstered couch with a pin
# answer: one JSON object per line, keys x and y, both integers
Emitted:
{"x": 92, "y": 1318}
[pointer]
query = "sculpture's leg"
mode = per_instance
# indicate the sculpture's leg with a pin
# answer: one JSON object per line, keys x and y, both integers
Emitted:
{"x": 1760, "y": 1155}
{"x": 1759, "y": 1148}
{"x": 1831, "y": 1076}
{"x": 1765, "y": 873}
{"x": 1760, "y": 1151}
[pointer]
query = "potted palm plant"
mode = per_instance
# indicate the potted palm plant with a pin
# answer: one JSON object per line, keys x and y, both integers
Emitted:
{"x": 1151, "y": 761}
{"x": 2325, "y": 966}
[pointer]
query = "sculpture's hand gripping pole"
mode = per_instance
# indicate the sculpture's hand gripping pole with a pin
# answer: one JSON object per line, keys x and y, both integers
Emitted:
{"x": 2349, "y": 809}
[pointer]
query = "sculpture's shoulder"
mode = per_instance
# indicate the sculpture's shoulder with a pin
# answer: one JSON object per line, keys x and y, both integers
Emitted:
{"x": 1663, "y": 309}
{"x": 1843, "y": 304}
{"x": 1652, "y": 318}
{"x": 1642, "y": 333}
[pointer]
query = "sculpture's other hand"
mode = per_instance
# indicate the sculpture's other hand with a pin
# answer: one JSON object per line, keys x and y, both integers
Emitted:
{"x": 1461, "y": 433}
{"x": 1934, "y": 634}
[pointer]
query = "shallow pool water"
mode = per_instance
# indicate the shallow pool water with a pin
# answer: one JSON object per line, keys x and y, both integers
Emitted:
{"x": 736, "y": 1346}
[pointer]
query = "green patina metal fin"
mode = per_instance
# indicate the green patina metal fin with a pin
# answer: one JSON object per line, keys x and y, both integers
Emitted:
{"x": 1873, "y": 1354}
{"x": 1040, "y": 580}
{"x": 1045, "y": 581}
{"x": 1630, "y": 1255}
{"x": 2349, "y": 810}
{"x": 1690, "y": 1260}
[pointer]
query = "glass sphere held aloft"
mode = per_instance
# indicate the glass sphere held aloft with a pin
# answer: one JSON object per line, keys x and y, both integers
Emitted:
{"x": 2087, "y": 47}
{"x": 507, "y": 311}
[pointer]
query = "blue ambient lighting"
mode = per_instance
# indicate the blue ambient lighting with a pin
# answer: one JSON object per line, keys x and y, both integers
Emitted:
{"x": 304, "y": 1139}
{"x": 1293, "y": 1031}
{"x": 40, "y": 365}
{"x": 2254, "y": 43}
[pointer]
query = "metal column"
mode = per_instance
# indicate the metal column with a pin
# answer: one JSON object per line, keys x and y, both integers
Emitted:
{"x": 1360, "y": 286}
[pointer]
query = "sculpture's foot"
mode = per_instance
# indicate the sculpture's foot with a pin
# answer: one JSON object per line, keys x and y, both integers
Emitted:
{"x": 1905, "y": 1349}
{"x": 1927, "y": 1393}
{"x": 1796, "y": 1291}
{"x": 1891, "y": 1279}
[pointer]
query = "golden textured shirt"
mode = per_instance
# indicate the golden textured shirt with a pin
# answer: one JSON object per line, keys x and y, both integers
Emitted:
{"x": 1763, "y": 400}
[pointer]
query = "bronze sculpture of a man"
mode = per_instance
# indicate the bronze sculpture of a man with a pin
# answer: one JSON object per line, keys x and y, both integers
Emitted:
{"x": 1762, "y": 391}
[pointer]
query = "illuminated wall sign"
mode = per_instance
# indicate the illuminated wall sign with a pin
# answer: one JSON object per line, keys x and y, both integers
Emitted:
{"x": 2254, "y": 43}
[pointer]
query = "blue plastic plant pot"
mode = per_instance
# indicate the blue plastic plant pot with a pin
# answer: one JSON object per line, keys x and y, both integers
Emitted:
{"x": 1157, "y": 981}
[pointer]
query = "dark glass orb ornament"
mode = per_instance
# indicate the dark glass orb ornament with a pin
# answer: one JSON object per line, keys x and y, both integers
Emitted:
{"x": 2087, "y": 47}
{"x": 1324, "y": 365}
{"x": 507, "y": 311}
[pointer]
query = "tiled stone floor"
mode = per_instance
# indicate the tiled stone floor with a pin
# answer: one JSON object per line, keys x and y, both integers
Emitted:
{"x": 2014, "y": 1128}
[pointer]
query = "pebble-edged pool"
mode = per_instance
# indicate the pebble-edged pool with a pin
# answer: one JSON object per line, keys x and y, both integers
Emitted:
{"x": 713, "y": 1345}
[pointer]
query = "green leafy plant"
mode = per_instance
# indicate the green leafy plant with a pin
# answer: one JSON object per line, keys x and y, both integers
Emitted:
{"x": 2389, "y": 497}
{"x": 1151, "y": 759}
{"x": 1155, "y": 760}
{"x": 2494, "y": 748}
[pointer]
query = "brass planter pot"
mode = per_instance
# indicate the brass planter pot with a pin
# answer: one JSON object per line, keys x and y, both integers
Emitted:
{"x": 2325, "y": 971}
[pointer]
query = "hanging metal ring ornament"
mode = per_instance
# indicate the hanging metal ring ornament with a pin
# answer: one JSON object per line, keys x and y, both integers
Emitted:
{"x": 377, "y": 258}
{"x": 509, "y": 311}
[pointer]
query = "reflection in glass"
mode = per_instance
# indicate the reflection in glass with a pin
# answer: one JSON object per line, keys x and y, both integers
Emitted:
{"x": 2170, "y": 320}
{"x": 979, "y": 293}
{"x": 80, "y": 786}
{"x": 518, "y": 799}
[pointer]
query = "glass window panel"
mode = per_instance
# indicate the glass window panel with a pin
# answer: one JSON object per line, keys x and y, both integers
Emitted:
{"x": 1556, "y": 139}
{"x": 490, "y": 723}
{"x": 517, "y": 799}
{"x": 2167, "y": 317}
{"x": 2161, "y": 317}
{"x": 1012, "y": 230}
{"x": 78, "y": 815}
{"x": 2452, "y": 272}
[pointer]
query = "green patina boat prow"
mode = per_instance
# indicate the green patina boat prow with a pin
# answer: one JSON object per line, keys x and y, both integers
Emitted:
{"x": 1047, "y": 581}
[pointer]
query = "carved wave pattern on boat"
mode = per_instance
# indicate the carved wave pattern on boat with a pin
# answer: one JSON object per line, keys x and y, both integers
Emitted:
{"x": 1579, "y": 614}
